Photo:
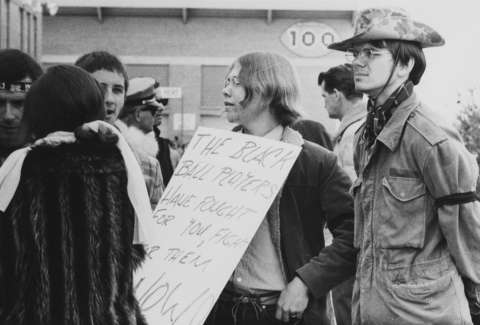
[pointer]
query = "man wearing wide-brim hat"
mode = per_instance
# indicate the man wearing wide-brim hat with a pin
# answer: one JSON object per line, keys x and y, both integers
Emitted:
{"x": 417, "y": 221}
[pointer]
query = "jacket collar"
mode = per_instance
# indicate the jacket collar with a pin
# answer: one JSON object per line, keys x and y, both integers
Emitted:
{"x": 292, "y": 136}
{"x": 392, "y": 133}
{"x": 289, "y": 135}
{"x": 357, "y": 112}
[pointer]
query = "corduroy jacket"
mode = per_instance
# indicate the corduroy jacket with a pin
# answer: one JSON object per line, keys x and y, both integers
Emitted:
{"x": 315, "y": 194}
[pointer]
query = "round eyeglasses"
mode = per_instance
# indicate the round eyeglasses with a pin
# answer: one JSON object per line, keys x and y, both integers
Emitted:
{"x": 365, "y": 54}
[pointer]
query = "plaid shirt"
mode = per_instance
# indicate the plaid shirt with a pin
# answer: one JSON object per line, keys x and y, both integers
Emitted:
{"x": 152, "y": 174}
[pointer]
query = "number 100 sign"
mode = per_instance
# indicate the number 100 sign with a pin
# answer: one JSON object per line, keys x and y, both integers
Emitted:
{"x": 309, "y": 39}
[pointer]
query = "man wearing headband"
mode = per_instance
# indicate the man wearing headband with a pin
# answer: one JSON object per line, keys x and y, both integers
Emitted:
{"x": 17, "y": 72}
{"x": 417, "y": 220}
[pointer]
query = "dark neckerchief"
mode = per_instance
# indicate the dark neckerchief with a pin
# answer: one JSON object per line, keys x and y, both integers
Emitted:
{"x": 377, "y": 117}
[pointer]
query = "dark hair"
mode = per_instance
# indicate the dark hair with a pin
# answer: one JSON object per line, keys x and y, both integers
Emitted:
{"x": 16, "y": 65}
{"x": 313, "y": 131}
{"x": 102, "y": 60}
{"x": 340, "y": 78}
{"x": 273, "y": 77}
{"x": 403, "y": 51}
{"x": 64, "y": 98}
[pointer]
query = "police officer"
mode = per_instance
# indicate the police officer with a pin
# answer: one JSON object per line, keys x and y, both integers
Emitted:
{"x": 135, "y": 122}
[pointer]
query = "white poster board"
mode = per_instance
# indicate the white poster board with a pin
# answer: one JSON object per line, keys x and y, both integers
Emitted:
{"x": 212, "y": 207}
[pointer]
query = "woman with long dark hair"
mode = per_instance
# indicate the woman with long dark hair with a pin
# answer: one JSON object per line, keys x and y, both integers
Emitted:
{"x": 67, "y": 250}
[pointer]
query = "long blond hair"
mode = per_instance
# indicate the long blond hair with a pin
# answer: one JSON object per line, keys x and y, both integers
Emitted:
{"x": 273, "y": 77}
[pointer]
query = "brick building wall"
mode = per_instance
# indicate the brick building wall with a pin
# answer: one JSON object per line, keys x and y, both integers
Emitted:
{"x": 192, "y": 54}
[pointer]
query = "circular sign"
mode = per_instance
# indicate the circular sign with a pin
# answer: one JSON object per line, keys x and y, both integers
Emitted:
{"x": 309, "y": 39}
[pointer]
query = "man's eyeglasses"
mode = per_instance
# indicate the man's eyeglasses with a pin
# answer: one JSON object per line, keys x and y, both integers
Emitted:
{"x": 365, "y": 54}
{"x": 232, "y": 80}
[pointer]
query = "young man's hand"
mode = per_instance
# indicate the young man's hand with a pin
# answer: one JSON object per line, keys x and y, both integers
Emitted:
{"x": 292, "y": 301}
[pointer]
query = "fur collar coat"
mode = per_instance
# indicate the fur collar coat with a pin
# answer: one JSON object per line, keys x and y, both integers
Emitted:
{"x": 66, "y": 252}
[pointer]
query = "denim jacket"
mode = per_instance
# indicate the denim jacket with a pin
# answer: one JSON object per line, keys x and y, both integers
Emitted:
{"x": 413, "y": 252}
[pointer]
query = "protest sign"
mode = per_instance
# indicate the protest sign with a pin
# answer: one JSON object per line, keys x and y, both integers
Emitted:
{"x": 214, "y": 203}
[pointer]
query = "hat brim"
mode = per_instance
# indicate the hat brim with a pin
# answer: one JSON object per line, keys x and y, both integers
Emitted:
{"x": 347, "y": 44}
{"x": 149, "y": 103}
{"x": 154, "y": 104}
{"x": 373, "y": 34}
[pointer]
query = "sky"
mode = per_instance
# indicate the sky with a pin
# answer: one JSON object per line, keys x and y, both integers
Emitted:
{"x": 452, "y": 68}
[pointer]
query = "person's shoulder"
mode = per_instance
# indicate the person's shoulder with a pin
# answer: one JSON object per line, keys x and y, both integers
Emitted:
{"x": 430, "y": 127}
{"x": 314, "y": 148}
{"x": 81, "y": 157}
{"x": 316, "y": 155}
{"x": 351, "y": 130}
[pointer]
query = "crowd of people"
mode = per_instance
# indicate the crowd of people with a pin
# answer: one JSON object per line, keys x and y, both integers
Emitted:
{"x": 83, "y": 163}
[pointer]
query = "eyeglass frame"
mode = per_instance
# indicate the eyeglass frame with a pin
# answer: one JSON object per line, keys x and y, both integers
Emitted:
{"x": 366, "y": 54}
{"x": 233, "y": 80}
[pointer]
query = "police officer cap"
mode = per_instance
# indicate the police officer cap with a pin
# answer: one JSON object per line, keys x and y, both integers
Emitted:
{"x": 141, "y": 92}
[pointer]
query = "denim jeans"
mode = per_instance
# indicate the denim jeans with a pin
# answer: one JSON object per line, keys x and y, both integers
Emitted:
{"x": 231, "y": 313}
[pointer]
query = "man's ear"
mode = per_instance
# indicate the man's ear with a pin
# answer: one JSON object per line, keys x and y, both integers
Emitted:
{"x": 137, "y": 113}
{"x": 337, "y": 93}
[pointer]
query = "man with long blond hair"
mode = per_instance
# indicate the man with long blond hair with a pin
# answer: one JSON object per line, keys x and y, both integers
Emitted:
{"x": 286, "y": 271}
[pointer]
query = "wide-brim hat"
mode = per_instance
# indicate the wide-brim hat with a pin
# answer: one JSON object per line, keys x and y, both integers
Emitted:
{"x": 389, "y": 24}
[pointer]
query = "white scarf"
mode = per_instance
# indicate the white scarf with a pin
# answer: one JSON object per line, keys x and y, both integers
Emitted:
{"x": 11, "y": 169}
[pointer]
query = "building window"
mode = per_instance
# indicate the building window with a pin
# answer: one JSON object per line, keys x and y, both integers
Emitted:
{"x": 213, "y": 77}
{"x": 159, "y": 72}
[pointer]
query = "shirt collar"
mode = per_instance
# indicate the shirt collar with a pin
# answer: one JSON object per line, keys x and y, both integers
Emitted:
{"x": 280, "y": 133}
{"x": 358, "y": 112}
{"x": 392, "y": 133}
{"x": 275, "y": 133}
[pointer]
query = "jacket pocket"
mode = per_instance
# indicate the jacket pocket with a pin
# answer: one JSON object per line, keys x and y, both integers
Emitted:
{"x": 432, "y": 302}
{"x": 423, "y": 293}
{"x": 427, "y": 292}
{"x": 358, "y": 216}
{"x": 402, "y": 213}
